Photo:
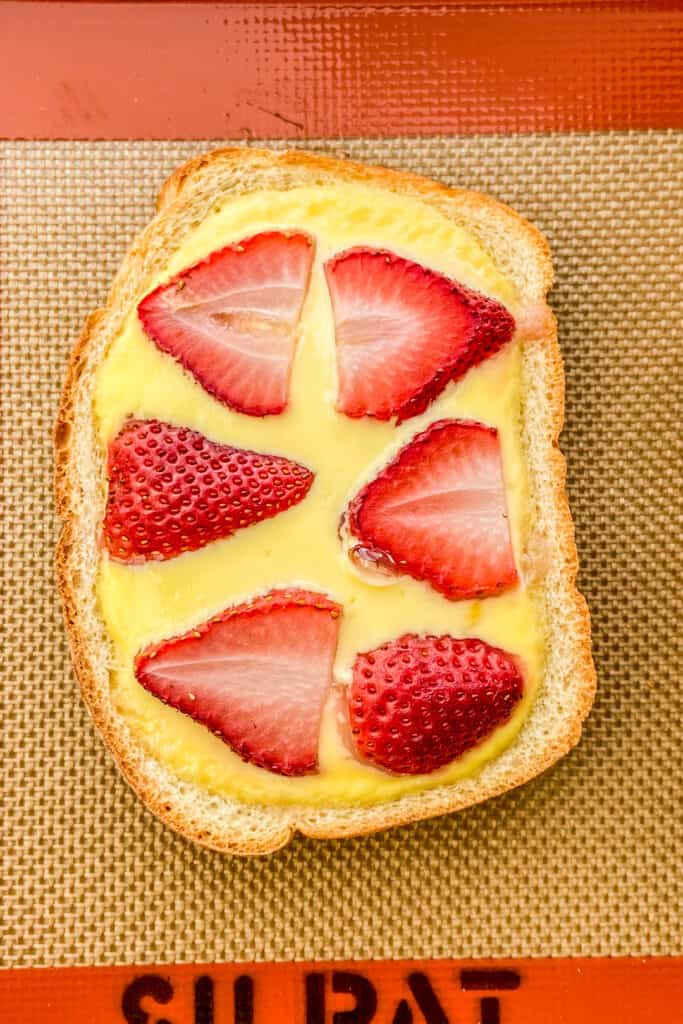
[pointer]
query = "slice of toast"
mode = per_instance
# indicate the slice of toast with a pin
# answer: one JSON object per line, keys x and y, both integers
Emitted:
{"x": 566, "y": 690}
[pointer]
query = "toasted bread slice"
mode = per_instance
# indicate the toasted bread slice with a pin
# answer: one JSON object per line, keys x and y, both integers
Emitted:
{"x": 567, "y": 688}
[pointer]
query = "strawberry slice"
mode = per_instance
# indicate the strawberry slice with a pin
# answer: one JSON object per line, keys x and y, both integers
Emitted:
{"x": 231, "y": 319}
{"x": 256, "y": 675}
{"x": 420, "y": 702}
{"x": 172, "y": 490}
{"x": 403, "y": 332}
{"x": 438, "y": 512}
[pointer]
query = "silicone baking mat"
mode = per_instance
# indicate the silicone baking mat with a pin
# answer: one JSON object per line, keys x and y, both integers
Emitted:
{"x": 583, "y": 861}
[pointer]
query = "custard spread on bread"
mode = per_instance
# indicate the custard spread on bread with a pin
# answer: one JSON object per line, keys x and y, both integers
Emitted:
{"x": 146, "y": 602}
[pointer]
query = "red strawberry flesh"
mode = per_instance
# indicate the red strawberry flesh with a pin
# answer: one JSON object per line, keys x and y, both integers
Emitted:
{"x": 420, "y": 702}
{"x": 173, "y": 490}
{"x": 438, "y": 510}
{"x": 403, "y": 332}
{"x": 256, "y": 675}
{"x": 231, "y": 319}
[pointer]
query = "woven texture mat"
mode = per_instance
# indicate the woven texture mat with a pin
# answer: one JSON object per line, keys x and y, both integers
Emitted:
{"x": 581, "y": 861}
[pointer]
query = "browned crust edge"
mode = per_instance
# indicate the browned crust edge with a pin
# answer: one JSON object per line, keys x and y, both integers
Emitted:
{"x": 393, "y": 813}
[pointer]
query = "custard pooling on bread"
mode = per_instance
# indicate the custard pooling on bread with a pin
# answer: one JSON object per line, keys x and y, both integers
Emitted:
{"x": 141, "y": 605}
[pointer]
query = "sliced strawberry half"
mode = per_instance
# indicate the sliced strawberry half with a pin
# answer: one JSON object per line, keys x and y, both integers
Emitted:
{"x": 173, "y": 490}
{"x": 403, "y": 332}
{"x": 256, "y": 675}
{"x": 438, "y": 512}
{"x": 231, "y": 319}
{"x": 420, "y": 702}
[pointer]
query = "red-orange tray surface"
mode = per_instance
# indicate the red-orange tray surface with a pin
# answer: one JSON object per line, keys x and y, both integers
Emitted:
{"x": 241, "y": 70}
{"x": 581, "y": 991}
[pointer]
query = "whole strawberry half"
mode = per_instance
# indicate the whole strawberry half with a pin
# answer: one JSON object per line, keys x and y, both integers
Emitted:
{"x": 257, "y": 676}
{"x": 420, "y": 702}
{"x": 173, "y": 490}
{"x": 231, "y": 319}
{"x": 403, "y": 332}
{"x": 438, "y": 512}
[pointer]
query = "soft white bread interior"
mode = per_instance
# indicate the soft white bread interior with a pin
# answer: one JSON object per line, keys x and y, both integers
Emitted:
{"x": 567, "y": 688}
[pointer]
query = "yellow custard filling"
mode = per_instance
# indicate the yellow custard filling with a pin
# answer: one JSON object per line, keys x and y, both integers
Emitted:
{"x": 143, "y": 604}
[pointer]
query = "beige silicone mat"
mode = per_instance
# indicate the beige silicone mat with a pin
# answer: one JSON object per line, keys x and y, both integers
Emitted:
{"x": 586, "y": 859}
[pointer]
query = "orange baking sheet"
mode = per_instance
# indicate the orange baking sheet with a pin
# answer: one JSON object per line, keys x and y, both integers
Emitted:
{"x": 281, "y": 70}
{"x": 581, "y": 991}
